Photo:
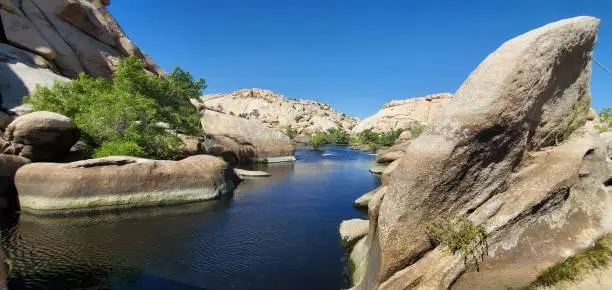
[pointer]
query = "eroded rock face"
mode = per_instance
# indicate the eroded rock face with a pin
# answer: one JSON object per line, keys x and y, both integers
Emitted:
{"x": 486, "y": 157}
{"x": 276, "y": 111}
{"x": 108, "y": 183}
{"x": 51, "y": 40}
{"x": 40, "y": 136}
{"x": 401, "y": 114}
{"x": 248, "y": 139}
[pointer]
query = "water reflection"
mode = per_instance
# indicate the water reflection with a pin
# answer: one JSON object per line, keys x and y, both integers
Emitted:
{"x": 3, "y": 269}
{"x": 277, "y": 232}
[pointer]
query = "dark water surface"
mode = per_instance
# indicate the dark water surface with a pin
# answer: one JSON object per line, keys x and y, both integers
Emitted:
{"x": 274, "y": 233}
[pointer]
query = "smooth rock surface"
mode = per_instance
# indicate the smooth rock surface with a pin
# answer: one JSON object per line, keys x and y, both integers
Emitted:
{"x": 249, "y": 139}
{"x": 251, "y": 173}
{"x": 18, "y": 80}
{"x": 108, "y": 183}
{"x": 8, "y": 167}
{"x": 484, "y": 157}
{"x": 41, "y": 136}
{"x": 352, "y": 230}
{"x": 20, "y": 32}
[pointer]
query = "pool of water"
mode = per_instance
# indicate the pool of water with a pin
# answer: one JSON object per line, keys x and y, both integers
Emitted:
{"x": 279, "y": 232}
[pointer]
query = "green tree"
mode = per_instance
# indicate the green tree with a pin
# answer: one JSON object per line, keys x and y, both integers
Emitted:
{"x": 290, "y": 131}
{"x": 318, "y": 139}
{"x": 119, "y": 115}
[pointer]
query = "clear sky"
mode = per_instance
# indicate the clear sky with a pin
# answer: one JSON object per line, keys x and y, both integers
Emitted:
{"x": 352, "y": 54}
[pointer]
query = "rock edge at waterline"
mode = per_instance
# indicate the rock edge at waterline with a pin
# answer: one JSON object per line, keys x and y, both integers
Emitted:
{"x": 121, "y": 182}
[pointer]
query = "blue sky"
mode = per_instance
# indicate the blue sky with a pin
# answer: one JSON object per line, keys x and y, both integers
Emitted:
{"x": 352, "y": 54}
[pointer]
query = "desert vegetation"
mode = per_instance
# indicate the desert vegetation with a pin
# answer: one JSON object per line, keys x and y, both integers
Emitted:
{"x": 133, "y": 113}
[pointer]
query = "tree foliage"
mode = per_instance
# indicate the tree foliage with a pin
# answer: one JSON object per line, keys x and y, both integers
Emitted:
{"x": 126, "y": 111}
{"x": 605, "y": 120}
{"x": 331, "y": 136}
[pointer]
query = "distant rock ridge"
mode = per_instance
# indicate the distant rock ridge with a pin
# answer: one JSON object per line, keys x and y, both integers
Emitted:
{"x": 400, "y": 114}
{"x": 278, "y": 111}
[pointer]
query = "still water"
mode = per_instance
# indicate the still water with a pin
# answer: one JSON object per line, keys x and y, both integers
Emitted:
{"x": 279, "y": 232}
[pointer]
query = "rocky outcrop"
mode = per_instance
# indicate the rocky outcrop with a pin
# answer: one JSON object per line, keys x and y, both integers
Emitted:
{"x": 512, "y": 152}
{"x": 40, "y": 136}
{"x": 352, "y": 230}
{"x": 8, "y": 167}
{"x": 52, "y": 40}
{"x": 402, "y": 114}
{"x": 278, "y": 112}
{"x": 247, "y": 140}
{"x": 109, "y": 183}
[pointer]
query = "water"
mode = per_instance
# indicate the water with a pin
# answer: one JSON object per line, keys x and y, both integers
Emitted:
{"x": 279, "y": 232}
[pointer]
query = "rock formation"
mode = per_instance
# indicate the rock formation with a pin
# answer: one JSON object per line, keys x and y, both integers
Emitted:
{"x": 512, "y": 152}
{"x": 52, "y": 40}
{"x": 9, "y": 164}
{"x": 109, "y": 183}
{"x": 40, "y": 136}
{"x": 247, "y": 140}
{"x": 401, "y": 114}
{"x": 276, "y": 111}
{"x": 352, "y": 230}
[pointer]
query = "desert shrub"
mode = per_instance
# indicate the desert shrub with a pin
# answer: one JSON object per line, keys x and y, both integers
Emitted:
{"x": 127, "y": 108}
{"x": 290, "y": 131}
{"x": 605, "y": 120}
{"x": 574, "y": 268}
{"x": 460, "y": 235}
{"x": 337, "y": 136}
{"x": 331, "y": 136}
{"x": 119, "y": 148}
{"x": 318, "y": 139}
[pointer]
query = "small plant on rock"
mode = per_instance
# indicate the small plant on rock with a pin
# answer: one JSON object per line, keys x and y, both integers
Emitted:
{"x": 290, "y": 131}
{"x": 460, "y": 235}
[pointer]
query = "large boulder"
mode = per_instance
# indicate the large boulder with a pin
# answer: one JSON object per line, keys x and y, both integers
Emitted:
{"x": 403, "y": 114}
{"x": 352, "y": 230}
{"x": 19, "y": 78}
{"x": 485, "y": 158}
{"x": 277, "y": 111}
{"x": 121, "y": 182}
{"x": 8, "y": 167}
{"x": 40, "y": 136}
{"x": 249, "y": 140}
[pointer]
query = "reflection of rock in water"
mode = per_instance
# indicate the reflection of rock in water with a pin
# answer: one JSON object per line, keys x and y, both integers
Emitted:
{"x": 278, "y": 172}
{"x": 3, "y": 269}
{"x": 93, "y": 250}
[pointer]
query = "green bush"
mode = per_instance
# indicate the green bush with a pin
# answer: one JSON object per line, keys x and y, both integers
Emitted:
{"x": 119, "y": 148}
{"x": 331, "y": 136}
{"x": 127, "y": 108}
{"x": 374, "y": 141}
{"x": 337, "y": 136}
{"x": 290, "y": 131}
{"x": 318, "y": 139}
{"x": 574, "y": 268}
{"x": 460, "y": 235}
{"x": 605, "y": 120}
